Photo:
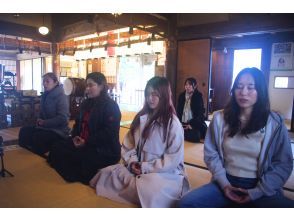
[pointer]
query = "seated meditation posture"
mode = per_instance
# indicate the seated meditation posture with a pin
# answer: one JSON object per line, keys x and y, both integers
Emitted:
{"x": 247, "y": 150}
{"x": 94, "y": 143}
{"x": 190, "y": 110}
{"x": 152, "y": 173}
{"x": 52, "y": 124}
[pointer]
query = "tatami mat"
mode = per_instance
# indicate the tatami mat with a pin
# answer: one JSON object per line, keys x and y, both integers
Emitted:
{"x": 290, "y": 183}
{"x": 127, "y": 115}
{"x": 9, "y": 135}
{"x": 194, "y": 153}
{"x": 35, "y": 184}
{"x": 289, "y": 194}
{"x": 197, "y": 177}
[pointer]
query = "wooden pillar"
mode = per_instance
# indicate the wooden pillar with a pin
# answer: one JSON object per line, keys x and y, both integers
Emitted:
{"x": 171, "y": 56}
{"x": 55, "y": 60}
{"x": 17, "y": 74}
{"x": 292, "y": 118}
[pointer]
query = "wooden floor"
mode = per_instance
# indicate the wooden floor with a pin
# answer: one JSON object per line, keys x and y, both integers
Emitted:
{"x": 35, "y": 184}
{"x": 9, "y": 134}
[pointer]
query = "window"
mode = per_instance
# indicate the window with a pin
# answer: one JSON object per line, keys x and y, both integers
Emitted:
{"x": 10, "y": 65}
{"x": 48, "y": 64}
{"x": 284, "y": 82}
{"x": 37, "y": 75}
{"x": 133, "y": 74}
{"x": 246, "y": 58}
{"x": 31, "y": 74}
{"x": 26, "y": 78}
{"x": 83, "y": 69}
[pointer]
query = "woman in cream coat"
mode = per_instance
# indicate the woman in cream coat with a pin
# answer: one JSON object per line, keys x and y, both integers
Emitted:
{"x": 153, "y": 173}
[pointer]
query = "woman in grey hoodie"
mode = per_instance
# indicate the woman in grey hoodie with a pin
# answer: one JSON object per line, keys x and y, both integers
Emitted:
{"x": 247, "y": 150}
{"x": 52, "y": 124}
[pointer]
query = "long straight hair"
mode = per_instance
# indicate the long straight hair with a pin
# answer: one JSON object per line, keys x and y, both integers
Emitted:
{"x": 99, "y": 79}
{"x": 261, "y": 108}
{"x": 164, "y": 111}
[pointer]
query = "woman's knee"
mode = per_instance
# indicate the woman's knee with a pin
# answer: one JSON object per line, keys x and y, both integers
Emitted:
{"x": 206, "y": 196}
{"x": 190, "y": 200}
{"x": 25, "y": 135}
{"x": 185, "y": 202}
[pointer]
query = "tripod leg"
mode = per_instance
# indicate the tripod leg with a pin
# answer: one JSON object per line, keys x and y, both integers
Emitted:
{"x": 6, "y": 171}
{"x": 3, "y": 170}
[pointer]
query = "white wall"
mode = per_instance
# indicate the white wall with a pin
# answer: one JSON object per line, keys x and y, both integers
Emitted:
{"x": 281, "y": 99}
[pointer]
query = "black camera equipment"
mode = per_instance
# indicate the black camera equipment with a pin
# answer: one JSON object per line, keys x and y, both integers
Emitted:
{"x": 3, "y": 171}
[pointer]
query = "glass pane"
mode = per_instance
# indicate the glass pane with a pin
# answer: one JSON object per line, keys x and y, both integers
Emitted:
{"x": 83, "y": 69}
{"x": 9, "y": 66}
{"x": 37, "y": 75}
{"x": 26, "y": 74}
{"x": 281, "y": 82}
{"x": 284, "y": 82}
{"x": 133, "y": 74}
{"x": 246, "y": 58}
{"x": 48, "y": 64}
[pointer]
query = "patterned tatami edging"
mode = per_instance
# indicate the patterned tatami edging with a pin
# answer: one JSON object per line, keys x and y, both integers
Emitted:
{"x": 11, "y": 147}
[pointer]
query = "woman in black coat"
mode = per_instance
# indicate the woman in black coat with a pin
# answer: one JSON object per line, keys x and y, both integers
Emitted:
{"x": 190, "y": 111}
{"x": 95, "y": 137}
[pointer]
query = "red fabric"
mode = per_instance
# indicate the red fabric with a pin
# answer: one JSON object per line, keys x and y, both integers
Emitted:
{"x": 85, "y": 126}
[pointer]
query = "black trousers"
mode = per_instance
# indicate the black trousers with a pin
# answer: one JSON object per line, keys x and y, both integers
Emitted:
{"x": 37, "y": 140}
{"x": 192, "y": 135}
{"x": 78, "y": 164}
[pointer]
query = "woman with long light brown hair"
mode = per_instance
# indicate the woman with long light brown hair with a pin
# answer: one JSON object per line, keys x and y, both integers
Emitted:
{"x": 153, "y": 172}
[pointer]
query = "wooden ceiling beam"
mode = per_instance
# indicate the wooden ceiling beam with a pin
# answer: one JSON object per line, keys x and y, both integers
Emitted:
{"x": 146, "y": 22}
{"x": 90, "y": 23}
{"x": 18, "y": 30}
{"x": 239, "y": 24}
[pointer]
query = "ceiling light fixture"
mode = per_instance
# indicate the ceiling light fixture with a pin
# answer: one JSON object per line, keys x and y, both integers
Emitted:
{"x": 43, "y": 29}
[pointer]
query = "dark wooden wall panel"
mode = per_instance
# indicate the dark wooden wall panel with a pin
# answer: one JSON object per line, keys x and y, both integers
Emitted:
{"x": 221, "y": 78}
